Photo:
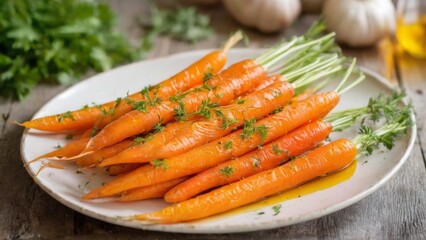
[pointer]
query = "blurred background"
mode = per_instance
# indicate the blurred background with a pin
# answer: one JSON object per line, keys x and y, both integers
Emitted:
{"x": 59, "y": 42}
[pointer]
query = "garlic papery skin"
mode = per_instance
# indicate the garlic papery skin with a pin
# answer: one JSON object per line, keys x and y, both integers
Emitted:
{"x": 265, "y": 15}
{"x": 359, "y": 23}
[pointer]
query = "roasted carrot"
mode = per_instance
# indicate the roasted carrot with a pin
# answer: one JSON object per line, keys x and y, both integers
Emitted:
{"x": 96, "y": 157}
{"x": 211, "y": 154}
{"x": 69, "y": 150}
{"x": 153, "y": 191}
{"x": 122, "y": 168}
{"x": 323, "y": 160}
{"x": 87, "y": 117}
{"x": 222, "y": 89}
{"x": 319, "y": 162}
{"x": 269, "y": 156}
{"x": 282, "y": 149}
{"x": 222, "y": 121}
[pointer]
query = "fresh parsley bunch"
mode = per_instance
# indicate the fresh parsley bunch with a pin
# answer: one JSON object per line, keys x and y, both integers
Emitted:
{"x": 182, "y": 24}
{"x": 56, "y": 41}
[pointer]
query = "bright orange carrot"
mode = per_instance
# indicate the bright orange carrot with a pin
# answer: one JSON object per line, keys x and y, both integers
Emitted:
{"x": 122, "y": 168}
{"x": 323, "y": 160}
{"x": 85, "y": 118}
{"x": 137, "y": 153}
{"x": 269, "y": 156}
{"x": 222, "y": 89}
{"x": 96, "y": 157}
{"x": 222, "y": 121}
{"x": 153, "y": 191}
{"x": 69, "y": 150}
{"x": 211, "y": 154}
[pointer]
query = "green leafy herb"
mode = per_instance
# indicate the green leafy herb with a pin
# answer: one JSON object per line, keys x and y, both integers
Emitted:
{"x": 140, "y": 106}
{"x": 208, "y": 75}
{"x": 228, "y": 145}
{"x": 183, "y": 24}
{"x": 69, "y": 137}
{"x": 276, "y": 209}
{"x": 58, "y": 146}
{"x": 263, "y": 131}
{"x": 94, "y": 131}
{"x": 66, "y": 115}
{"x": 260, "y": 213}
{"x": 158, "y": 127}
{"x": 205, "y": 110}
{"x": 277, "y": 110}
{"x": 227, "y": 171}
{"x": 160, "y": 163}
{"x": 250, "y": 128}
{"x": 277, "y": 150}
{"x": 240, "y": 101}
{"x": 56, "y": 41}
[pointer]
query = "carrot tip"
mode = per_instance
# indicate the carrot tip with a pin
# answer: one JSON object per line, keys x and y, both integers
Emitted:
{"x": 16, "y": 122}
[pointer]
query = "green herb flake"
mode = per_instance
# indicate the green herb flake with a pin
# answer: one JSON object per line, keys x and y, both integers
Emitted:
{"x": 227, "y": 171}
{"x": 240, "y": 101}
{"x": 140, "y": 106}
{"x": 66, "y": 115}
{"x": 158, "y": 127}
{"x": 228, "y": 145}
{"x": 58, "y": 146}
{"x": 208, "y": 75}
{"x": 277, "y": 150}
{"x": 277, "y": 110}
{"x": 94, "y": 131}
{"x": 160, "y": 163}
{"x": 219, "y": 95}
{"x": 260, "y": 213}
{"x": 276, "y": 209}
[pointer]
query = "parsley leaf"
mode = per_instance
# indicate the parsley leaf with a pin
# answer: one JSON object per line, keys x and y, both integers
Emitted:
{"x": 160, "y": 163}
{"x": 56, "y": 41}
{"x": 183, "y": 24}
{"x": 227, "y": 171}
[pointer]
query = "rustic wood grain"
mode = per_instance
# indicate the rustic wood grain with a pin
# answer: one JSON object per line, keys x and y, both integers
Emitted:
{"x": 396, "y": 211}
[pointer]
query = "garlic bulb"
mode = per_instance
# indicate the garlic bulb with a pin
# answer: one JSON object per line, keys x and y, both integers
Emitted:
{"x": 359, "y": 22}
{"x": 312, "y": 6}
{"x": 265, "y": 15}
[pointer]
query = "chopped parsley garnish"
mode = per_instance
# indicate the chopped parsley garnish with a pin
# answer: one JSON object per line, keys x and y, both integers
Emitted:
{"x": 158, "y": 127}
{"x": 277, "y": 150}
{"x": 58, "y": 146}
{"x": 249, "y": 129}
{"x": 140, "y": 106}
{"x": 94, "y": 131}
{"x": 219, "y": 95}
{"x": 226, "y": 122}
{"x": 208, "y": 75}
{"x": 276, "y": 209}
{"x": 160, "y": 163}
{"x": 277, "y": 110}
{"x": 66, "y": 115}
{"x": 240, "y": 101}
{"x": 227, "y": 145}
{"x": 69, "y": 137}
{"x": 227, "y": 171}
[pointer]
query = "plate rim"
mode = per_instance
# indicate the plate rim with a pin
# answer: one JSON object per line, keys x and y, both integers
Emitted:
{"x": 191, "y": 228}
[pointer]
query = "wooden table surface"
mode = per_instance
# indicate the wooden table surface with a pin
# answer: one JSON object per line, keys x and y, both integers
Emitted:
{"x": 396, "y": 211}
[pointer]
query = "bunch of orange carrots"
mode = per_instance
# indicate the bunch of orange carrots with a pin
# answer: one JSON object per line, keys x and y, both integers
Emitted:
{"x": 234, "y": 129}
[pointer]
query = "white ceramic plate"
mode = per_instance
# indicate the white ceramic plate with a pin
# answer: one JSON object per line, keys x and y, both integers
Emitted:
{"x": 67, "y": 187}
